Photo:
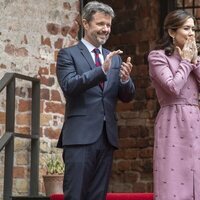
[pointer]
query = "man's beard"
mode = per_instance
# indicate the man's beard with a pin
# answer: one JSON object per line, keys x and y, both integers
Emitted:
{"x": 102, "y": 41}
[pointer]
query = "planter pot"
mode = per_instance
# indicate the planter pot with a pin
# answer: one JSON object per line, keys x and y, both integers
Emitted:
{"x": 53, "y": 184}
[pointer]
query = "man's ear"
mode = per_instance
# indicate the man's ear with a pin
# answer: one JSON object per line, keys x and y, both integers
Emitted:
{"x": 171, "y": 33}
{"x": 85, "y": 23}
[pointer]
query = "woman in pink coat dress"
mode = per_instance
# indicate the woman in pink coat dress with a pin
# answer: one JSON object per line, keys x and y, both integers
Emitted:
{"x": 174, "y": 69}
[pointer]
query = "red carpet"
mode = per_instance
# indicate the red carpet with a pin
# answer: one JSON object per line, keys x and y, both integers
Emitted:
{"x": 115, "y": 196}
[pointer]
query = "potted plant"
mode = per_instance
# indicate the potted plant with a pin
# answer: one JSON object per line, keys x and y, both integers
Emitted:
{"x": 53, "y": 180}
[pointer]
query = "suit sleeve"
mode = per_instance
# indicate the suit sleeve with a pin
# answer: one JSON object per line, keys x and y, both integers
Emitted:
{"x": 160, "y": 71}
{"x": 126, "y": 90}
{"x": 71, "y": 82}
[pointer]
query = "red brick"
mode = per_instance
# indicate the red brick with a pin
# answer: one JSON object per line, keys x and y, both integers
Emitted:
{"x": 127, "y": 143}
{"x": 24, "y": 105}
{"x": 10, "y": 49}
{"x": 24, "y": 130}
{"x": 23, "y": 119}
{"x": 53, "y": 68}
{"x": 150, "y": 93}
{"x": 53, "y": 29}
{"x": 59, "y": 43}
{"x": 152, "y": 105}
{"x": 48, "y": 81}
{"x": 2, "y": 117}
{"x": 55, "y": 107}
{"x": 52, "y": 133}
{"x": 119, "y": 154}
{"x": 130, "y": 153}
{"x": 123, "y": 165}
{"x": 55, "y": 55}
{"x": 131, "y": 177}
{"x": 74, "y": 30}
{"x": 55, "y": 95}
{"x": 19, "y": 172}
{"x": 23, "y": 52}
{"x": 65, "y": 30}
{"x": 139, "y": 187}
{"x": 124, "y": 106}
{"x": 143, "y": 71}
{"x": 146, "y": 153}
{"x": 45, "y": 94}
{"x": 2, "y": 66}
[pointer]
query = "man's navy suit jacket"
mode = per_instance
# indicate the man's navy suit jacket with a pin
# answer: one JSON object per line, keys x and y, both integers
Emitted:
{"x": 87, "y": 105}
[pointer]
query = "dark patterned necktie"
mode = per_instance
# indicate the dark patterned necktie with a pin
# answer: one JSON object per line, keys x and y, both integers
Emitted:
{"x": 98, "y": 63}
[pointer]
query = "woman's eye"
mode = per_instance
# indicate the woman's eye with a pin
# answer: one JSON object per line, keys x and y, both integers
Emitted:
{"x": 189, "y": 28}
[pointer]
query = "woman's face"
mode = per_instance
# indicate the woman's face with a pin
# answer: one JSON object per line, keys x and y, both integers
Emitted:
{"x": 183, "y": 33}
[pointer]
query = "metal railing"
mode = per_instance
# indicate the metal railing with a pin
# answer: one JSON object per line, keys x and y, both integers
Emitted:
{"x": 7, "y": 140}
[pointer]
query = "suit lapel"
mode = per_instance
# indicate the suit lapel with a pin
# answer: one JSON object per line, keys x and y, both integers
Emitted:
{"x": 86, "y": 54}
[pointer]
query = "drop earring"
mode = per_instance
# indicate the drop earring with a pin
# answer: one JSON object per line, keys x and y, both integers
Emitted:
{"x": 173, "y": 40}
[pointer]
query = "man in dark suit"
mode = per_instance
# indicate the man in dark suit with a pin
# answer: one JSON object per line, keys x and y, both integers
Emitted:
{"x": 92, "y": 82}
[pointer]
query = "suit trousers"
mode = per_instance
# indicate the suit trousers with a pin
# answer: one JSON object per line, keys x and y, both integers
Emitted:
{"x": 88, "y": 169}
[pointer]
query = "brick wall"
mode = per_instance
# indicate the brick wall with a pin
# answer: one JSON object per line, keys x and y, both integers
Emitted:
{"x": 134, "y": 30}
{"x": 31, "y": 34}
